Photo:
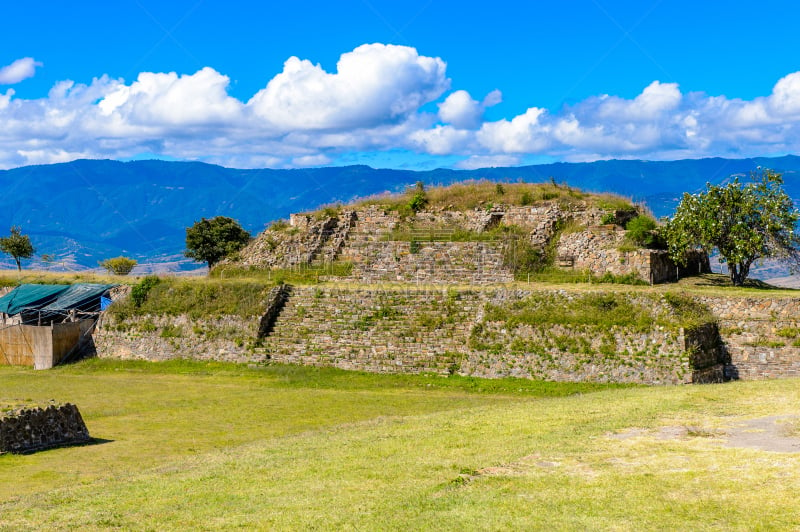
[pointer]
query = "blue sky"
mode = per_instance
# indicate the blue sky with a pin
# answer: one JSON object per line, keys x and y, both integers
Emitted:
{"x": 417, "y": 84}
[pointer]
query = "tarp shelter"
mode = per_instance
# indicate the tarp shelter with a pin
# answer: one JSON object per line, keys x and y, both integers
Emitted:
{"x": 29, "y": 296}
{"x": 44, "y": 304}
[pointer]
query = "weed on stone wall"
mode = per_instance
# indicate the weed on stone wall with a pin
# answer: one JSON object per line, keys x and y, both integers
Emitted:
{"x": 171, "y": 331}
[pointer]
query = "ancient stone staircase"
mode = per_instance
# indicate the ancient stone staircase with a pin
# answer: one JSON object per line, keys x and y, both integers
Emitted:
{"x": 369, "y": 331}
{"x": 333, "y": 239}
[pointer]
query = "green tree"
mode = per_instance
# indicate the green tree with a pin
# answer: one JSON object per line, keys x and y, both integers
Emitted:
{"x": 119, "y": 265}
{"x": 211, "y": 240}
{"x": 744, "y": 222}
{"x": 17, "y": 245}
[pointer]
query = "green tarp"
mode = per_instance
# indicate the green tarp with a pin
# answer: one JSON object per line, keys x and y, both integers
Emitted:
{"x": 85, "y": 297}
{"x": 51, "y": 298}
{"x": 30, "y": 296}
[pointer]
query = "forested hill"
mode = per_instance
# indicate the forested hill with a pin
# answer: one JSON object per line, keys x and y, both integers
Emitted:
{"x": 88, "y": 210}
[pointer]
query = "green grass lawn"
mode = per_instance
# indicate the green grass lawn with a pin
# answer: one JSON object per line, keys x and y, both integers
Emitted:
{"x": 212, "y": 446}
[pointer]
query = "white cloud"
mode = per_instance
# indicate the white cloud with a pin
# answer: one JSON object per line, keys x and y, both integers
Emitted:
{"x": 492, "y": 99}
{"x": 441, "y": 140}
{"x": 169, "y": 99}
{"x": 460, "y": 110}
{"x": 526, "y": 133}
{"x": 18, "y": 70}
{"x": 6, "y": 98}
{"x": 785, "y": 96}
{"x": 381, "y": 98}
{"x": 311, "y": 160}
{"x": 475, "y": 162}
{"x": 375, "y": 84}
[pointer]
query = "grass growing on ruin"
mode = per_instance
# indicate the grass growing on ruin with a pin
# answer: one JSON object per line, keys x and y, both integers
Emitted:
{"x": 188, "y": 446}
{"x": 601, "y": 310}
{"x": 301, "y": 274}
{"x": 14, "y": 278}
{"x": 469, "y": 195}
{"x": 197, "y": 298}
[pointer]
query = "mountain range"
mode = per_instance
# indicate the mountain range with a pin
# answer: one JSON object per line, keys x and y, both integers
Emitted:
{"x": 84, "y": 211}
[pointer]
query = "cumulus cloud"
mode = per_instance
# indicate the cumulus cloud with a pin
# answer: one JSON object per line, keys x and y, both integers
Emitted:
{"x": 171, "y": 100}
{"x": 373, "y": 85}
{"x": 379, "y": 98}
{"x": 18, "y": 70}
{"x": 441, "y": 140}
{"x": 460, "y": 110}
{"x": 526, "y": 133}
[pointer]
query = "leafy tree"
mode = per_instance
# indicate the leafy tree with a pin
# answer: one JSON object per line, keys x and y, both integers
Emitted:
{"x": 211, "y": 240}
{"x": 119, "y": 265}
{"x": 17, "y": 245}
{"x": 744, "y": 222}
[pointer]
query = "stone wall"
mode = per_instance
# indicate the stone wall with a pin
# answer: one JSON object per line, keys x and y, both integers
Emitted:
{"x": 428, "y": 262}
{"x": 367, "y": 238}
{"x": 761, "y": 335}
{"x": 33, "y": 429}
{"x": 442, "y": 331}
{"x": 417, "y": 330}
{"x": 585, "y": 351}
{"x": 155, "y": 338}
{"x": 599, "y": 250}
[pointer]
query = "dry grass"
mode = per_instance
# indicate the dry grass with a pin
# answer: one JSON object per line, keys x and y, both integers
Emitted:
{"x": 13, "y": 278}
{"x": 474, "y": 194}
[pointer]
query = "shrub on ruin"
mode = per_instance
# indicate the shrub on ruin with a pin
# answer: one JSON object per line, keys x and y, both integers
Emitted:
{"x": 420, "y": 199}
{"x": 139, "y": 291}
{"x": 643, "y": 232}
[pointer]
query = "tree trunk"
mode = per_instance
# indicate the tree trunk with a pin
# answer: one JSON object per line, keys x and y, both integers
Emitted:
{"x": 19, "y": 266}
{"x": 739, "y": 272}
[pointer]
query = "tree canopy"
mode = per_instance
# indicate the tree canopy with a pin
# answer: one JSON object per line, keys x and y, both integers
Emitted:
{"x": 211, "y": 240}
{"x": 17, "y": 245}
{"x": 745, "y": 223}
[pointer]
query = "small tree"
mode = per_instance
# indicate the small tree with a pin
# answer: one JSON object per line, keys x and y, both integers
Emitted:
{"x": 17, "y": 245}
{"x": 744, "y": 222}
{"x": 211, "y": 240}
{"x": 119, "y": 265}
{"x": 47, "y": 260}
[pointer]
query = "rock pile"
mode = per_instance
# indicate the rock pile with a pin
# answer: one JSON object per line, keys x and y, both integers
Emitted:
{"x": 34, "y": 429}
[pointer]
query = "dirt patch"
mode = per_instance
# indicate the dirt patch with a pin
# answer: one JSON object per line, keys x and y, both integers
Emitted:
{"x": 766, "y": 433}
{"x": 778, "y": 434}
{"x": 662, "y": 433}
